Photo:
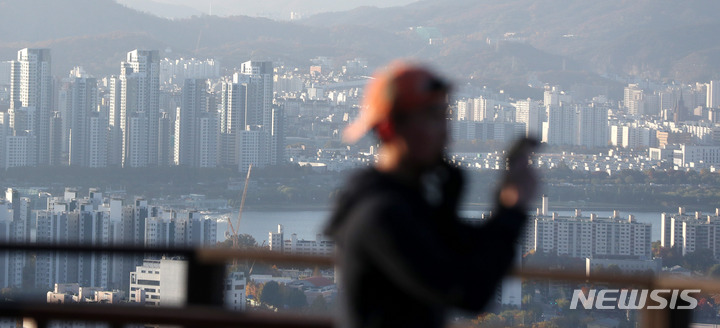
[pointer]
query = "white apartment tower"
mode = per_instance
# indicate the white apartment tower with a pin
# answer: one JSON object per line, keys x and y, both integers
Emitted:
{"x": 115, "y": 129}
{"x": 8, "y": 275}
{"x": 232, "y": 120}
{"x": 277, "y": 239}
{"x": 139, "y": 108}
{"x": 97, "y": 142}
{"x": 691, "y": 232}
{"x": 464, "y": 110}
{"x": 529, "y": 112}
{"x": 474, "y": 109}
{"x": 31, "y": 89}
{"x": 184, "y": 229}
{"x": 208, "y": 139}
{"x": 247, "y": 105}
{"x": 83, "y": 101}
{"x": 592, "y": 126}
{"x": 195, "y": 127}
{"x": 81, "y": 226}
{"x": 592, "y": 236}
{"x": 633, "y": 100}
{"x": 713, "y": 94}
{"x": 482, "y": 109}
{"x": 259, "y": 74}
{"x": 560, "y": 128}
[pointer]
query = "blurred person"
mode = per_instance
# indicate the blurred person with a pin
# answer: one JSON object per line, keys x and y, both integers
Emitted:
{"x": 404, "y": 256}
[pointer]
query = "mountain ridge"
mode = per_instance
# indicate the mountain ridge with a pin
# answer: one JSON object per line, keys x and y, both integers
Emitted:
{"x": 643, "y": 38}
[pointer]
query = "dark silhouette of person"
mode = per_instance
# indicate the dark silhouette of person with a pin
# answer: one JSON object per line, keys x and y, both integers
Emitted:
{"x": 404, "y": 256}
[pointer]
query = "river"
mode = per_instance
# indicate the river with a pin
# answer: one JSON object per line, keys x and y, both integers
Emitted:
{"x": 307, "y": 223}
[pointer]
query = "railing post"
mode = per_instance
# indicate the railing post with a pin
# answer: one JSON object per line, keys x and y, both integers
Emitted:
{"x": 681, "y": 318}
{"x": 667, "y": 317}
{"x": 205, "y": 283}
{"x": 654, "y": 319}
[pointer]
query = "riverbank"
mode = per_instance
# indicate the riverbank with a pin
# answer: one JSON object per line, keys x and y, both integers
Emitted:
{"x": 554, "y": 206}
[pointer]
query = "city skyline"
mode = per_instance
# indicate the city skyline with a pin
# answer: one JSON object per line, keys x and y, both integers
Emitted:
{"x": 127, "y": 129}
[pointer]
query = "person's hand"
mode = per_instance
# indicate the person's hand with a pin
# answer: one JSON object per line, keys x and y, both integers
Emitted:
{"x": 519, "y": 183}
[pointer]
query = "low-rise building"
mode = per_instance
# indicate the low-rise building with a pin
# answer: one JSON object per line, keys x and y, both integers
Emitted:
{"x": 74, "y": 293}
{"x": 320, "y": 246}
{"x": 627, "y": 266}
{"x": 159, "y": 282}
{"x": 235, "y": 291}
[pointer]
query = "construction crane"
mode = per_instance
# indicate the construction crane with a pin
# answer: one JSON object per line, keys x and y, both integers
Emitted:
{"x": 253, "y": 265}
{"x": 234, "y": 236}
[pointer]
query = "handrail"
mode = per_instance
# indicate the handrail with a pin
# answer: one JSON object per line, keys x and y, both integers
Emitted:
{"x": 645, "y": 281}
{"x": 224, "y": 255}
{"x": 208, "y": 255}
{"x": 207, "y": 264}
{"x": 190, "y": 316}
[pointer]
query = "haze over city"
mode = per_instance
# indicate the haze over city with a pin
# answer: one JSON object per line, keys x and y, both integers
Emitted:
{"x": 275, "y": 9}
{"x": 218, "y": 124}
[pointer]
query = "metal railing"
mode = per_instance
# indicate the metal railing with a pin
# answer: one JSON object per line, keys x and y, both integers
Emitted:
{"x": 205, "y": 288}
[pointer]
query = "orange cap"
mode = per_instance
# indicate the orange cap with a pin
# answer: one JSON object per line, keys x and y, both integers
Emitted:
{"x": 402, "y": 87}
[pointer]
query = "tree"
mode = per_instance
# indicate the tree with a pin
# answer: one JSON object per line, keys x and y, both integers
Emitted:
{"x": 671, "y": 256}
{"x": 319, "y": 304}
{"x": 296, "y": 299}
{"x": 490, "y": 320}
{"x": 655, "y": 246}
{"x": 526, "y": 299}
{"x": 245, "y": 241}
{"x": 253, "y": 289}
{"x": 699, "y": 260}
{"x": 8, "y": 294}
{"x": 271, "y": 295}
{"x": 562, "y": 303}
{"x": 613, "y": 270}
{"x": 714, "y": 271}
{"x": 545, "y": 324}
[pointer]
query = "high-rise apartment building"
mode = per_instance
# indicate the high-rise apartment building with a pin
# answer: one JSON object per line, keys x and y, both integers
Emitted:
{"x": 76, "y": 227}
{"x": 82, "y": 99}
{"x": 474, "y": 109}
{"x": 232, "y": 120}
{"x": 115, "y": 131}
{"x": 633, "y": 99}
{"x": 180, "y": 229}
{"x": 529, "y": 112}
{"x": 14, "y": 228}
{"x": 248, "y": 120}
{"x": 166, "y": 139}
{"x": 97, "y": 140}
{"x": 713, "y": 94}
{"x": 139, "y": 108}
{"x": 561, "y": 125}
{"x": 592, "y": 126}
{"x": 195, "y": 126}
{"x": 31, "y": 91}
{"x": 592, "y": 236}
{"x": 691, "y": 232}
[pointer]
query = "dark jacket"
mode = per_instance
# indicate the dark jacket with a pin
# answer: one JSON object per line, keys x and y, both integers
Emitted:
{"x": 405, "y": 257}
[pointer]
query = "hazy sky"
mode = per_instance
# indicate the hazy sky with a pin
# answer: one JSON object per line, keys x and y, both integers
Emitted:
{"x": 278, "y": 9}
